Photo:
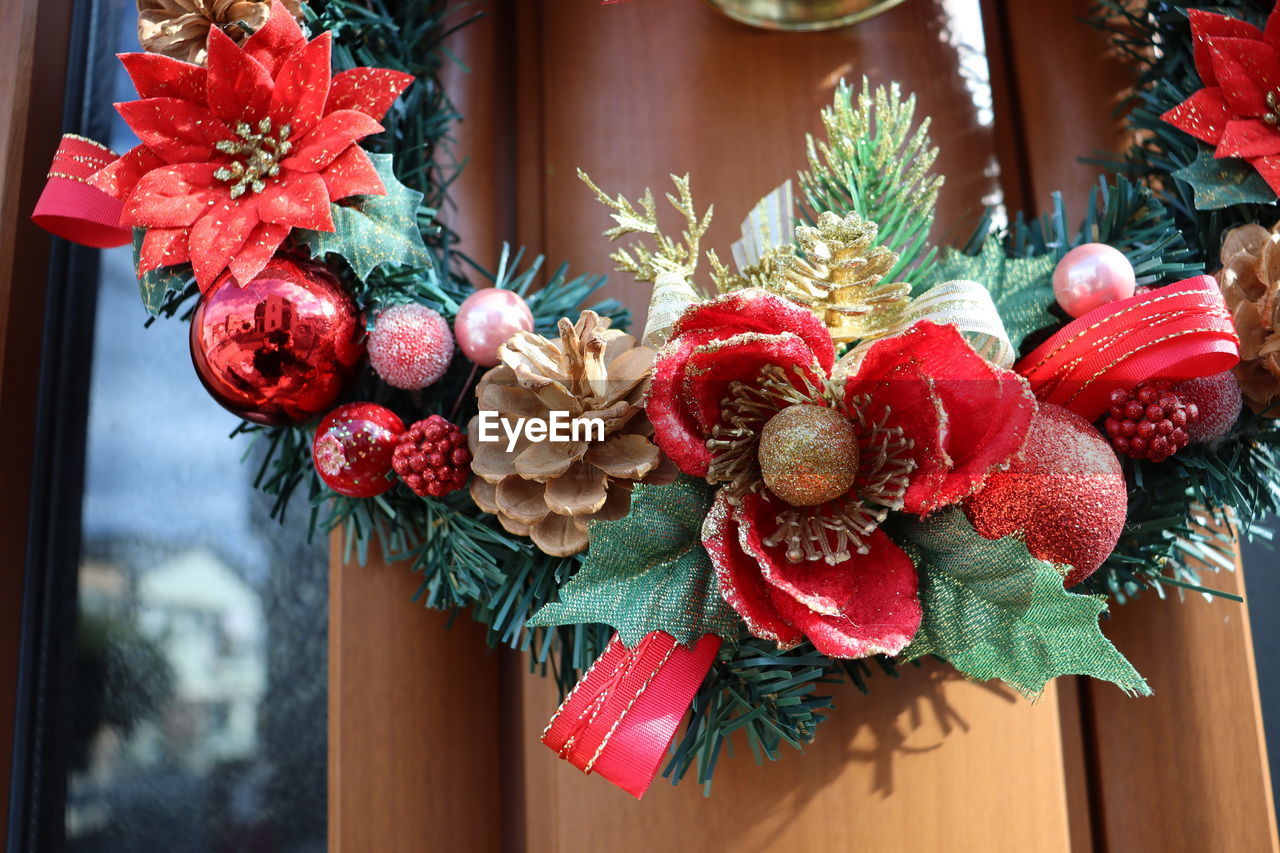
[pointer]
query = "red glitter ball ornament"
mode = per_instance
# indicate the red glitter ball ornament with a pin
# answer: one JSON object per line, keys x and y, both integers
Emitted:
{"x": 1063, "y": 495}
{"x": 280, "y": 349}
{"x": 432, "y": 457}
{"x": 410, "y": 346}
{"x": 1149, "y": 422}
{"x": 1219, "y": 401}
{"x": 353, "y": 447}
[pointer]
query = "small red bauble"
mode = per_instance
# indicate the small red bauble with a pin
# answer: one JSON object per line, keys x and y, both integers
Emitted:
{"x": 1149, "y": 422}
{"x": 353, "y": 447}
{"x": 280, "y": 349}
{"x": 432, "y": 458}
{"x": 410, "y": 346}
{"x": 1064, "y": 495}
{"x": 1219, "y": 401}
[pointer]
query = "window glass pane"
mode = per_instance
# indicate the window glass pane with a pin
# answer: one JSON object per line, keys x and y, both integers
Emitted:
{"x": 200, "y": 691}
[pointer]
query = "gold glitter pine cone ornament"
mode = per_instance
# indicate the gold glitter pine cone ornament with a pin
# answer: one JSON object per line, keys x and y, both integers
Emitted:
{"x": 549, "y": 490}
{"x": 180, "y": 28}
{"x": 839, "y": 276}
{"x": 1250, "y": 283}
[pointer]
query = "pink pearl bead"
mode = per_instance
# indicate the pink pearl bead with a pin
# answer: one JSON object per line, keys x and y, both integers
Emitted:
{"x": 486, "y": 320}
{"x": 1091, "y": 276}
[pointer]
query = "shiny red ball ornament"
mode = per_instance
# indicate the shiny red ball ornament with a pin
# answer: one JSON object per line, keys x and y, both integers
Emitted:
{"x": 432, "y": 457}
{"x": 353, "y": 447}
{"x": 280, "y": 349}
{"x": 1064, "y": 495}
{"x": 1149, "y": 422}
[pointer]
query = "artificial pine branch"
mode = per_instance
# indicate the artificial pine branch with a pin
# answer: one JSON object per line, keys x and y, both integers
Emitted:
{"x": 876, "y": 162}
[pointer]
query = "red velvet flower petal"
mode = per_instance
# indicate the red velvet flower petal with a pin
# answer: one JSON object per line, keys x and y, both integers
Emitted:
{"x": 674, "y": 429}
{"x": 157, "y": 76}
{"x": 163, "y": 247}
{"x": 1204, "y": 115}
{"x": 741, "y": 585}
{"x": 716, "y": 363}
{"x": 754, "y": 310}
{"x": 1246, "y": 70}
{"x": 352, "y": 173}
{"x": 276, "y": 40}
{"x": 1248, "y": 138}
{"x": 1207, "y": 25}
{"x": 819, "y": 586}
{"x": 1271, "y": 35}
{"x": 302, "y": 88}
{"x": 219, "y": 234}
{"x": 333, "y": 135}
{"x": 372, "y": 91}
{"x": 239, "y": 87}
{"x": 1269, "y": 169}
{"x": 883, "y": 616}
{"x": 989, "y": 412}
{"x": 173, "y": 196}
{"x": 175, "y": 130}
{"x": 257, "y": 251}
{"x": 118, "y": 178}
{"x": 897, "y": 394}
{"x": 296, "y": 199}
{"x": 986, "y": 410}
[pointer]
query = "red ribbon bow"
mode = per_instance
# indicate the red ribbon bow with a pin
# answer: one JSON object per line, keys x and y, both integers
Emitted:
{"x": 1177, "y": 332}
{"x": 622, "y": 715}
{"x": 69, "y": 207}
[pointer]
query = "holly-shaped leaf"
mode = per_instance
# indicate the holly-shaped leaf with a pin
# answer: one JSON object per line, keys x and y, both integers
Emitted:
{"x": 158, "y": 283}
{"x": 372, "y": 230}
{"x": 1022, "y": 288}
{"x": 1224, "y": 182}
{"x": 649, "y": 572}
{"x": 994, "y": 611}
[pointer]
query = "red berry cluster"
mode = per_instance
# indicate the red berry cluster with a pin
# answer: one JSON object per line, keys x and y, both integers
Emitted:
{"x": 1149, "y": 422}
{"x": 432, "y": 457}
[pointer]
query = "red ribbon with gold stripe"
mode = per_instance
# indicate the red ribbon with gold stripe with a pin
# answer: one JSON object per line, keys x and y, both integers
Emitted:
{"x": 620, "y": 718}
{"x": 68, "y": 207}
{"x": 1176, "y": 332}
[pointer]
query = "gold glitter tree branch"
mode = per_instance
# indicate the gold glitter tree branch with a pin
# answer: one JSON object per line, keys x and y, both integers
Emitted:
{"x": 668, "y": 255}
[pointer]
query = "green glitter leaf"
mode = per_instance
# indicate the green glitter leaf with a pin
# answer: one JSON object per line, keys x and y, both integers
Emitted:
{"x": 158, "y": 283}
{"x": 372, "y": 230}
{"x": 994, "y": 611}
{"x": 1224, "y": 182}
{"x": 649, "y": 572}
{"x": 1022, "y": 288}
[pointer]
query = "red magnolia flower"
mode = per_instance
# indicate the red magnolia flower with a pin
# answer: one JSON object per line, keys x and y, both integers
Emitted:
{"x": 235, "y": 155}
{"x": 1239, "y": 107}
{"x": 746, "y": 379}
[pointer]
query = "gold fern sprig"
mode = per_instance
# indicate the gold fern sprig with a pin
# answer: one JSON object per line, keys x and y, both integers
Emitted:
{"x": 668, "y": 254}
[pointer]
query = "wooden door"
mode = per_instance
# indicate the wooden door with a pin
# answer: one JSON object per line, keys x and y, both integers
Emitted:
{"x": 434, "y": 743}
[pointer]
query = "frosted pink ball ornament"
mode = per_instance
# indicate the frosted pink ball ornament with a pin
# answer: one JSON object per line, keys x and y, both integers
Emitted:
{"x": 487, "y": 319}
{"x": 410, "y": 346}
{"x": 1091, "y": 276}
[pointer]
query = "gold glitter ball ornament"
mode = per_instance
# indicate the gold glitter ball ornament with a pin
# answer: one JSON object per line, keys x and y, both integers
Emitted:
{"x": 808, "y": 454}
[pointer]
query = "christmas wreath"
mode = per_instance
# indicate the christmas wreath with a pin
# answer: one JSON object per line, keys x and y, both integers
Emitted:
{"x": 847, "y": 450}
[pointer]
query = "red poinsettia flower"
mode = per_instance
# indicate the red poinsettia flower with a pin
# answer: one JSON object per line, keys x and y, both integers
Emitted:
{"x": 1238, "y": 109}
{"x": 743, "y": 395}
{"x": 238, "y": 153}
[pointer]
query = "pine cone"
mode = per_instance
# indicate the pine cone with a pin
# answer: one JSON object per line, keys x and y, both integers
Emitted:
{"x": 1250, "y": 283}
{"x": 180, "y": 28}
{"x": 839, "y": 277}
{"x": 549, "y": 490}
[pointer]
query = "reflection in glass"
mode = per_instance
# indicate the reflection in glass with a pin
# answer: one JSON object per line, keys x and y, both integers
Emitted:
{"x": 199, "y": 713}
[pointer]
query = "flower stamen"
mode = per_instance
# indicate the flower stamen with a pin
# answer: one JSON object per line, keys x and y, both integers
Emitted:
{"x": 261, "y": 151}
